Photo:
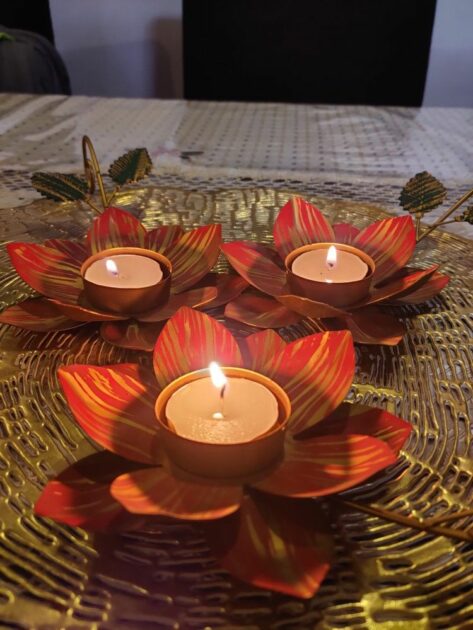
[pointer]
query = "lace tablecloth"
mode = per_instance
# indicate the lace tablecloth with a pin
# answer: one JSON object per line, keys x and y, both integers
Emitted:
{"x": 362, "y": 153}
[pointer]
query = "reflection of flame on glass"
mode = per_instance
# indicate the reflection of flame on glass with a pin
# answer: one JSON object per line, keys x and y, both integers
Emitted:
{"x": 331, "y": 257}
{"x": 219, "y": 380}
{"x": 111, "y": 266}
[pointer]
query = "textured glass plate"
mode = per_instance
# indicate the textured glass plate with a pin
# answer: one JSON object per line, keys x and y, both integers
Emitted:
{"x": 384, "y": 577}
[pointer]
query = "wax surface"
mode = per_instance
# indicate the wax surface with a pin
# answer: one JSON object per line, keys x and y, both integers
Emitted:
{"x": 313, "y": 266}
{"x": 249, "y": 410}
{"x": 134, "y": 272}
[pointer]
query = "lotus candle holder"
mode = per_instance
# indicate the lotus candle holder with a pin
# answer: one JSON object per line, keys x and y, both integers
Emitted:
{"x": 284, "y": 299}
{"x": 257, "y": 514}
{"x": 55, "y": 269}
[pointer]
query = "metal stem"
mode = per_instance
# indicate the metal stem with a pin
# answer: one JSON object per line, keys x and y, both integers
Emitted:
{"x": 418, "y": 218}
{"x": 445, "y": 518}
{"x": 92, "y": 169}
{"x": 93, "y": 206}
{"x": 113, "y": 195}
{"x": 317, "y": 324}
{"x": 446, "y": 214}
{"x": 409, "y": 521}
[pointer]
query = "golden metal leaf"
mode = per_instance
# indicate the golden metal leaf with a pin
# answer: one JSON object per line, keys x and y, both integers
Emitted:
{"x": 422, "y": 193}
{"x": 60, "y": 187}
{"x": 131, "y": 167}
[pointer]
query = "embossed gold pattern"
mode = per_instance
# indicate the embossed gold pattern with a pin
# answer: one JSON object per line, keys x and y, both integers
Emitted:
{"x": 385, "y": 576}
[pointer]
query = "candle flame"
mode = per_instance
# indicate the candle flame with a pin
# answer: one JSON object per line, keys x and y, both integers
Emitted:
{"x": 331, "y": 256}
{"x": 218, "y": 377}
{"x": 111, "y": 266}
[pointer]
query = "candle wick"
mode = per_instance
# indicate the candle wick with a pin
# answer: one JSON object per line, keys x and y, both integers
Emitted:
{"x": 222, "y": 400}
{"x": 222, "y": 392}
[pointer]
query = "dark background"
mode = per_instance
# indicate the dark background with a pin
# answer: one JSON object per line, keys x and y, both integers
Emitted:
{"x": 308, "y": 51}
{"x": 28, "y": 15}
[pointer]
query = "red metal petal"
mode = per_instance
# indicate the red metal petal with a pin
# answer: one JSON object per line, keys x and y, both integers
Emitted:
{"x": 228, "y": 287}
{"x": 73, "y": 249}
{"x": 131, "y": 334}
{"x": 193, "y": 256}
{"x": 193, "y": 298}
{"x": 309, "y": 308}
{"x": 257, "y": 264}
{"x": 370, "y": 325}
{"x": 363, "y": 420}
{"x": 390, "y": 242}
{"x": 162, "y": 238}
{"x": 274, "y": 544}
{"x": 115, "y": 228}
{"x": 157, "y": 491}
{"x": 260, "y": 349}
{"x": 47, "y": 270}
{"x": 400, "y": 286}
{"x": 427, "y": 291}
{"x": 81, "y": 497}
{"x": 260, "y": 311}
{"x": 316, "y": 373}
{"x": 114, "y": 405}
{"x": 344, "y": 232}
{"x": 38, "y": 315}
{"x": 84, "y": 313}
{"x": 300, "y": 223}
{"x": 190, "y": 341}
{"x": 326, "y": 465}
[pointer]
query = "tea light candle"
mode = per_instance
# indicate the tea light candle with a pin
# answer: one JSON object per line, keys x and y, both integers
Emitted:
{"x": 220, "y": 410}
{"x": 329, "y": 265}
{"x": 126, "y": 280}
{"x": 232, "y": 426}
{"x": 125, "y": 271}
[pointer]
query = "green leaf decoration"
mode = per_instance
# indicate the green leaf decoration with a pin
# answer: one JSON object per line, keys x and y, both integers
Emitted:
{"x": 466, "y": 216}
{"x": 422, "y": 193}
{"x": 60, "y": 187}
{"x": 131, "y": 167}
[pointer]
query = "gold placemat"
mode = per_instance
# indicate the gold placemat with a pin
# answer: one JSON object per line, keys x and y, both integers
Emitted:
{"x": 385, "y": 576}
